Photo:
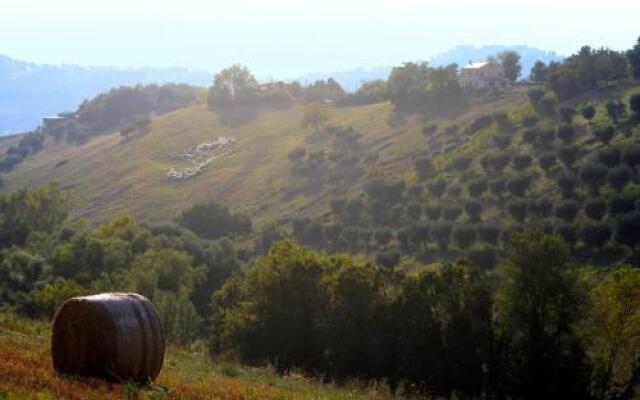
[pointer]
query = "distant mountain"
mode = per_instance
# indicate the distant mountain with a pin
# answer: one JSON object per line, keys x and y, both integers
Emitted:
{"x": 31, "y": 91}
{"x": 351, "y": 79}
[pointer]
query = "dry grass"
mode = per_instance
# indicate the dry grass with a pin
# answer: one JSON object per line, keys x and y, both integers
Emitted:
{"x": 26, "y": 373}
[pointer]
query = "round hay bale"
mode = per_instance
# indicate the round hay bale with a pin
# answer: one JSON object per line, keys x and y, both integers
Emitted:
{"x": 116, "y": 336}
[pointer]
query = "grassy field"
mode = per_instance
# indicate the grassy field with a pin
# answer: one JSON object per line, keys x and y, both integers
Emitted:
{"x": 26, "y": 373}
{"x": 109, "y": 176}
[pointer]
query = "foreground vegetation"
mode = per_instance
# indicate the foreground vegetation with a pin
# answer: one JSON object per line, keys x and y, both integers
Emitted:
{"x": 26, "y": 373}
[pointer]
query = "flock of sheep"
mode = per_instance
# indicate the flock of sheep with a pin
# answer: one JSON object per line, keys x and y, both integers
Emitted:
{"x": 202, "y": 155}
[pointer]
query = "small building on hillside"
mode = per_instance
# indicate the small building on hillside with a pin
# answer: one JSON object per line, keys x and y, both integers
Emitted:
{"x": 480, "y": 75}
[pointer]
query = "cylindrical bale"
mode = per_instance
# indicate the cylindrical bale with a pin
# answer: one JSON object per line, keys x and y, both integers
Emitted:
{"x": 116, "y": 336}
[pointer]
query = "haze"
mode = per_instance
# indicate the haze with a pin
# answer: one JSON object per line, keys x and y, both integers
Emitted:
{"x": 286, "y": 38}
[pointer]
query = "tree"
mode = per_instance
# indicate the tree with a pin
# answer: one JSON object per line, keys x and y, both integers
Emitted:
{"x": 621, "y": 204}
{"x": 618, "y": 177}
{"x": 510, "y": 61}
{"x": 567, "y": 210}
{"x": 233, "y": 86}
{"x": 538, "y": 304}
{"x": 634, "y": 105}
{"x": 610, "y": 156}
{"x": 628, "y": 230}
{"x": 631, "y": 156}
{"x": 477, "y": 187}
{"x": 634, "y": 60}
{"x": 565, "y": 133}
{"x": 546, "y": 161}
{"x": 315, "y": 114}
{"x": 595, "y": 208}
{"x": 437, "y": 187}
{"x": 539, "y": 72}
{"x": 483, "y": 256}
{"x": 488, "y": 233}
{"x": 213, "y": 221}
{"x": 433, "y": 212}
{"x": 464, "y": 236}
{"x": 473, "y": 208}
{"x": 567, "y": 114}
{"x": 424, "y": 167}
{"x": 615, "y": 109}
{"x": 430, "y": 129}
{"x": 535, "y": 95}
{"x": 614, "y": 332}
{"x": 519, "y": 185}
{"x": 530, "y": 136}
{"x": 414, "y": 211}
{"x": 518, "y": 210}
{"x": 441, "y": 234}
{"x": 567, "y": 184}
{"x": 451, "y": 213}
{"x": 588, "y": 112}
{"x": 593, "y": 175}
{"x": 595, "y": 234}
{"x": 521, "y": 162}
{"x": 567, "y": 154}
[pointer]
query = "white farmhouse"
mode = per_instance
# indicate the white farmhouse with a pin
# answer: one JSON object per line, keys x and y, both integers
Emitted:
{"x": 480, "y": 75}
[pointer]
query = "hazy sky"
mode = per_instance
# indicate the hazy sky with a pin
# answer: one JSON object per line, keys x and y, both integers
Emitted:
{"x": 287, "y": 38}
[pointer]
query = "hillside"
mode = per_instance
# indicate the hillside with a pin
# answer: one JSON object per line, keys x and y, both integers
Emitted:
{"x": 111, "y": 176}
{"x": 26, "y": 373}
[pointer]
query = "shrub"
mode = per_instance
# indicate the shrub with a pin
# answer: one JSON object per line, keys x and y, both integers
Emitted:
{"x": 609, "y": 156}
{"x": 547, "y": 106}
{"x": 595, "y": 234}
{"x": 388, "y": 258}
{"x": 433, "y": 212}
{"x": 477, "y": 187}
{"x": 518, "y": 210}
{"x": 619, "y": 177}
{"x": 519, "y": 185}
{"x": 530, "y": 136}
{"x": 454, "y": 191}
{"x": 547, "y": 161}
{"x": 569, "y": 233}
{"x": 567, "y": 114}
{"x": 628, "y": 230}
{"x": 567, "y": 184}
{"x": 604, "y": 133}
{"x": 567, "y": 154}
{"x": 521, "y": 162}
{"x": 593, "y": 176}
{"x": 529, "y": 121}
{"x": 437, "y": 187}
{"x": 488, "y": 233}
{"x": 484, "y": 257}
{"x": 535, "y": 95}
{"x": 464, "y": 236}
{"x": 451, "y": 213}
{"x": 615, "y": 110}
{"x": 503, "y": 123}
{"x": 461, "y": 164}
{"x": 498, "y": 186}
{"x": 473, "y": 208}
{"x": 430, "y": 129}
{"x": 540, "y": 208}
{"x": 482, "y": 122}
{"x": 502, "y": 141}
{"x": 595, "y": 208}
{"x": 567, "y": 210}
{"x": 631, "y": 156}
{"x": 634, "y": 105}
{"x": 588, "y": 112}
{"x": 441, "y": 234}
{"x": 213, "y": 221}
{"x": 414, "y": 211}
{"x": 424, "y": 167}
{"x": 565, "y": 133}
{"x": 546, "y": 138}
{"x": 620, "y": 204}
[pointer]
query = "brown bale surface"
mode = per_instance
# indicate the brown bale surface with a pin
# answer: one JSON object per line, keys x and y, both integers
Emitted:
{"x": 111, "y": 335}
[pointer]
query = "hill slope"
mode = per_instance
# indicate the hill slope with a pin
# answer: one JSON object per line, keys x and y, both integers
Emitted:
{"x": 111, "y": 176}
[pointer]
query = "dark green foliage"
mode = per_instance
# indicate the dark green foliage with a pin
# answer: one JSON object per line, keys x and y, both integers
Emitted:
{"x": 213, "y": 221}
{"x": 547, "y": 107}
{"x": 628, "y": 229}
{"x": 621, "y": 204}
{"x": 498, "y": 186}
{"x": 568, "y": 232}
{"x": 588, "y": 112}
{"x": 521, "y": 162}
{"x": 594, "y": 176}
{"x": 530, "y": 121}
{"x": 388, "y": 258}
{"x": 595, "y": 234}
{"x": 383, "y": 236}
{"x": 565, "y": 133}
{"x": 615, "y": 110}
{"x": 454, "y": 191}
{"x": 530, "y": 136}
{"x": 634, "y": 105}
{"x": 546, "y": 138}
{"x": 451, "y": 213}
{"x": 482, "y": 122}
{"x": 473, "y": 208}
{"x": 484, "y": 257}
{"x": 631, "y": 156}
{"x": 433, "y": 212}
{"x": 604, "y": 133}
{"x": 535, "y": 95}
{"x": 539, "y": 72}
{"x": 510, "y": 61}
{"x": 424, "y": 167}
{"x": 368, "y": 93}
{"x": 568, "y": 154}
{"x": 518, "y": 210}
{"x": 567, "y": 114}
{"x": 477, "y": 187}
{"x": 567, "y": 184}
{"x": 540, "y": 208}
{"x": 461, "y": 164}
{"x": 464, "y": 236}
{"x": 567, "y": 210}
{"x": 387, "y": 192}
{"x": 634, "y": 60}
{"x": 499, "y": 161}
{"x": 414, "y": 211}
{"x": 437, "y": 187}
{"x": 519, "y": 185}
{"x": 547, "y": 161}
{"x": 595, "y": 208}
{"x": 619, "y": 177}
{"x": 488, "y": 233}
{"x": 441, "y": 234}
{"x": 503, "y": 123}
{"x": 502, "y": 141}
{"x": 609, "y": 156}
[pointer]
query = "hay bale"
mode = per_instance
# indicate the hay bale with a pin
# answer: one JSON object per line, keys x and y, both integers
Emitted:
{"x": 116, "y": 336}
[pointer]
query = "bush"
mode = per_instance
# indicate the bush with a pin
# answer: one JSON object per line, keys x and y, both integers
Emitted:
{"x": 567, "y": 114}
{"x": 615, "y": 110}
{"x": 547, "y": 161}
{"x": 484, "y": 257}
{"x": 519, "y": 185}
{"x": 502, "y": 141}
{"x": 567, "y": 154}
{"x": 503, "y": 123}
{"x": 498, "y": 186}
{"x": 477, "y": 188}
{"x": 489, "y": 233}
{"x": 451, "y": 213}
{"x": 464, "y": 236}
{"x": 631, "y": 156}
{"x": 454, "y": 191}
{"x": 473, "y": 208}
{"x": 424, "y": 167}
{"x": 213, "y": 221}
{"x": 461, "y": 164}
{"x": 593, "y": 176}
{"x": 588, "y": 112}
{"x": 540, "y": 208}
{"x": 610, "y": 156}
{"x": 634, "y": 105}
{"x": 567, "y": 184}
{"x": 529, "y": 121}
{"x": 437, "y": 187}
{"x": 414, "y": 211}
{"x": 567, "y": 210}
{"x": 433, "y": 212}
{"x": 620, "y": 204}
{"x": 628, "y": 230}
{"x": 546, "y": 138}
{"x": 441, "y": 234}
{"x": 595, "y": 208}
{"x": 429, "y": 130}
{"x": 388, "y": 258}
{"x": 521, "y": 162}
{"x": 482, "y": 122}
{"x": 569, "y": 232}
{"x": 619, "y": 177}
{"x": 530, "y": 136}
{"x": 518, "y": 210}
{"x": 535, "y": 95}
{"x": 604, "y": 133}
{"x": 595, "y": 234}
{"x": 565, "y": 133}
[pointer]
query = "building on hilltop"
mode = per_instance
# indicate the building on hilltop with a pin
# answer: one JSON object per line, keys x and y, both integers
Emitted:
{"x": 480, "y": 75}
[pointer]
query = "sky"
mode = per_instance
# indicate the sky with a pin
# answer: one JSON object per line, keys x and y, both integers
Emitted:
{"x": 288, "y": 38}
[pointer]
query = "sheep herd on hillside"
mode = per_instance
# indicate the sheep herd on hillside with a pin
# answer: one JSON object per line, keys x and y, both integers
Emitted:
{"x": 200, "y": 156}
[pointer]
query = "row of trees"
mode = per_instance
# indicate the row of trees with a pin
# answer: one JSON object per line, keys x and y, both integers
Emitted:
{"x": 540, "y": 328}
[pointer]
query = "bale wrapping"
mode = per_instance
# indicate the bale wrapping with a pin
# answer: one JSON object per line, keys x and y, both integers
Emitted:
{"x": 116, "y": 336}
